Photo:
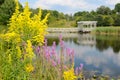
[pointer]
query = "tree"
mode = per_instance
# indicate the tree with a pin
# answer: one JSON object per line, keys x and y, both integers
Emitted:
{"x": 117, "y": 7}
{"x": 103, "y": 10}
{"x": 108, "y": 21}
{"x": 1, "y": 2}
{"x": 6, "y": 10}
{"x": 117, "y": 20}
{"x": 100, "y": 19}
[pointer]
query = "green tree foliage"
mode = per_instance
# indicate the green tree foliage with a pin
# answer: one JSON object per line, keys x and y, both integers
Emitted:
{"x": 117, "y": 20}
{"x": 103, "y": 15}
{"x": 117, "y": 7}
{"x": 108, "y": 21}
{"x": 103, "y": 10}
{"x": 1, "y": 2}
{"x": 100, "y": 20}
{"x": 6, "y": 10}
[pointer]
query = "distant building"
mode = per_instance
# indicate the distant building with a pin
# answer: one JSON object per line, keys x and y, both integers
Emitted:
{"x": 86, "y": 26}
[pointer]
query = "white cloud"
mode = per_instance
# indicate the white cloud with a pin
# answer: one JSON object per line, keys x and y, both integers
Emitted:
{"x": 112, "y": 2}
{"x": 72, "y": 4}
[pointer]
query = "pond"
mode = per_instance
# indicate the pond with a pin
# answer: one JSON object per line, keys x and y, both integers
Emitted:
{"x": 98, "y": 53}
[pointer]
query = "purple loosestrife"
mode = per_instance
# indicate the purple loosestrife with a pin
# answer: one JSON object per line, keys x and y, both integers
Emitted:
{"x": 53, "y": 63}
{"x": 53, "y": 49}
{"x": 37, "y": 50}
{"x": 78, "y": 70}
{"x": 45, "y": 42}
{"x": 81, "y": 67}
{"x": 61, "y": 41}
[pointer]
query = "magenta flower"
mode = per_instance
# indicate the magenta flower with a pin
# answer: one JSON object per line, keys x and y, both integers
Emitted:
{"x": 77, "y": 71}
{"x": 53, "y": 48}
{"x": 61, "y": 41}
{"x": 38, "y": 49}
{"x": 81, "y": 67}
{"x": 54, "y": 63}
{"x": 45, "y": 43}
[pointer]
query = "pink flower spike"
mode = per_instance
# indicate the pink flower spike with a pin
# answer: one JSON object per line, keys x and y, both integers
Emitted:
{"x": 81, "y": 67}
{"x": 45, "y": 42}
{"x": 68, "y": 51}
{"x": 54, "y": 63}
{"x": 65, "y": 67}
{"x": 76, "y": 71}
{"x": 54, "y": 44}
{"x": 38, "y": 49}
{"x": 60, "y": 37}
{"x": 62, "y": 44}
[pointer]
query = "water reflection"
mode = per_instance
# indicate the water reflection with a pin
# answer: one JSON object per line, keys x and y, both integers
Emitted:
{"x": 97, "y": 52}
{"x": 106, "y": 41}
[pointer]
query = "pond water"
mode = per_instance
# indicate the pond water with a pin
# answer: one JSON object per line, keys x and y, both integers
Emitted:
{"x": 99, "y": 53}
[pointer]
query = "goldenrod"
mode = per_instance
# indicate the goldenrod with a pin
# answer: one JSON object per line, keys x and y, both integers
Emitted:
{"x": 69, "y": 75}
{"x": 29, "y": 28}
{"x": 29, "y": 68}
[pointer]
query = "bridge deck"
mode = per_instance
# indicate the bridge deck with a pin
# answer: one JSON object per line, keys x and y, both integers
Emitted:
{"x": 68, "y": 30}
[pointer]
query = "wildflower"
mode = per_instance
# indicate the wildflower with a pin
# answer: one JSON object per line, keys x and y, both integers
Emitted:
{"x": 29, "y": 68}
{"x": 29, "y": 28}
{"x": 78, "y": 71}
{"x": 11, "y": 37}
{"x": 53, "y": 48}
{"x": 54, "y": 63}
{"x": 69, "y": 75}
{"x": 29, "y": 51}
{"x": 61, "y": 41}
{"x": 38, "y": 49}
{"x": 81, "y": 67}
{"x": 19, "y": 53}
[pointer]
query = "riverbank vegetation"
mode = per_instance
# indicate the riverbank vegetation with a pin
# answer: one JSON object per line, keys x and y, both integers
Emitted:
{"x": 107, "y": 30}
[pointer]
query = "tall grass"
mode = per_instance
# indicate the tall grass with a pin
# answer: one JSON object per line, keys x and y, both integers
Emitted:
{"x": 107, "y": 30}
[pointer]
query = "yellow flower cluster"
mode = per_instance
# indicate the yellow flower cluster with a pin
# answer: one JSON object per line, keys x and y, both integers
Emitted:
{"x": 11, "y": 37}
{"x": 19, "y": 52}
{"x": 29, "y": 68}
{"x": 29, "y": 51}
{"x": 69, "y": 75}
{"x": 29, "y": 28}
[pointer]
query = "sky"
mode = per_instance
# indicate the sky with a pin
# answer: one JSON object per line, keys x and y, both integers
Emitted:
{"x": 70, "y": 6}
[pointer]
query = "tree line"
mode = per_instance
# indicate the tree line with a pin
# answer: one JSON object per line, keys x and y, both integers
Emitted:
{"x": 104, "y": 15}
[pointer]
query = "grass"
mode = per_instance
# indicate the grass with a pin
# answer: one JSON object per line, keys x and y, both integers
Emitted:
{"x": 62, "y": 24}
{"x": 107, "y": 30}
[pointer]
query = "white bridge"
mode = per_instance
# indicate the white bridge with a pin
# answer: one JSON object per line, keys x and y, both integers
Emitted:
{"x": 83, "y": 26}
{"x": 62, "y": 30}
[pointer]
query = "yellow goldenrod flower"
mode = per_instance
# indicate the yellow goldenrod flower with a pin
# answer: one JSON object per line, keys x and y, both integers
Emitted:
{"x": 29, "y": 68}
{"x": 29, "y": 28}
{"x": 29, "y": 51}
{"x": 69, "y": 75}
{"x": 19, "y": 53}
{"x": 11, "y": 37}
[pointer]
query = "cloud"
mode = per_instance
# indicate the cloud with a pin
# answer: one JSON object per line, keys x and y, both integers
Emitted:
{"x": 71, "y": 4}
{"x": 112, "y": 2}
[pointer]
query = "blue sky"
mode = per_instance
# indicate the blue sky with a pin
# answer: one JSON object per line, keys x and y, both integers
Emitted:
{"x": 70, "y": 6}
